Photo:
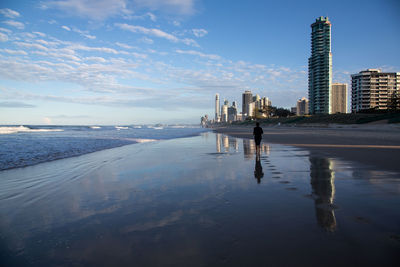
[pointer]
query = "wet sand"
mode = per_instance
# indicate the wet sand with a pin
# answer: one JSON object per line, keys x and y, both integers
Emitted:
{"x": 373, "y": 145}
{"x": 200, "y": 201}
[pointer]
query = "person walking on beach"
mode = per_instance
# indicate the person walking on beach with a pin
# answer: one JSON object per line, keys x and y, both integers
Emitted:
{"x": 257, "y": 132}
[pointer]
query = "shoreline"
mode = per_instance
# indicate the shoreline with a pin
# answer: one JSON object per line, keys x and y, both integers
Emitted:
{"x": 125, "y": 141}
{"x": 374, "y": 146}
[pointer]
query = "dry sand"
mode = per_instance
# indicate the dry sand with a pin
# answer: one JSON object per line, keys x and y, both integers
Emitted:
{"x": 377, "y": 146}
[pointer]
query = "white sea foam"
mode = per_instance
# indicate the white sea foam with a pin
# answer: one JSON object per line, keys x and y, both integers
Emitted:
{"x": 95, "y": 127}
{"x": 144, "y": 140}
{"x": 155, "y": 127}
{"x": 13, "y": 129}
{"x": 121, "y": 128}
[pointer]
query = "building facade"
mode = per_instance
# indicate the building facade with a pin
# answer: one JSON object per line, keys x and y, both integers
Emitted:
{"x": 320, "y": 67}
{"x": 247, "y": 98}
{"x": 302, "y": 107}
{"x": 224, "y": 112}
{"x": 232, "y": 113}
{"x": 373, "y": 89}
{"x": 217, "y": 104}
{"x": 339, "y": 98}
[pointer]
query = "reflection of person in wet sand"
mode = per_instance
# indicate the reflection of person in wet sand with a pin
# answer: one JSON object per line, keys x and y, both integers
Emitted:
{"x": 258, "y": 171}
{"x": 257, "y": 132}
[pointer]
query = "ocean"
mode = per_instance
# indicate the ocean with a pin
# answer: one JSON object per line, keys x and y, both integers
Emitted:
{"x": 27, "y": 145}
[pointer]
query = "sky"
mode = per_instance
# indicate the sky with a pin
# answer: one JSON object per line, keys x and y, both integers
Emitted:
{"x": 122, "y": 62}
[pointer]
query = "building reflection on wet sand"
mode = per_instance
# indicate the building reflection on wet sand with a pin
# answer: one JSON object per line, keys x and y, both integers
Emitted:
{"x": 224, "y": 142}
{"x": 249, "y": 148}
{"x": 321, "y": 173}
{"x": 323, "y": 190}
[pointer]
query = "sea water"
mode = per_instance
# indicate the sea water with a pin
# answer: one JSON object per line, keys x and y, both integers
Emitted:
{"x": 27, "y": 145}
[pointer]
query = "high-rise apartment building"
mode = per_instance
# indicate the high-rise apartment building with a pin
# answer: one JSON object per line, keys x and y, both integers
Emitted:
{"x": 302, "y": 107}
{"x": 247, "y": 98}
{"x": 232, "y": 113}
{"x": 339, "y": 98}
{"x": 320, "y": 67}
{"x": 251, "y": 108}
{"x": 234, "y": 104}
{"x": 265, "y": 102}
{"x": 217, "y": 115}
{"x": 224, "y": 111}
{"x": 373, "y": 89}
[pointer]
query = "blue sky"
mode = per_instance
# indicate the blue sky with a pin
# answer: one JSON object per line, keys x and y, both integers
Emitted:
{"x": 151, "y": 61}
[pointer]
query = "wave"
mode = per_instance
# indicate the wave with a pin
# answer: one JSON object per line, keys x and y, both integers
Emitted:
{"x": 121, "y": 128}
{"x": 155, "y": 127}
{"x": 95, "y": 127}
{"x": 141, "y": 140}
{"x": 23, "y": 129}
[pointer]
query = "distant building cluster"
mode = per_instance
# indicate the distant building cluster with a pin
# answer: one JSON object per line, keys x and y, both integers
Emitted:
{"x": 252, "y": 106}
{"x": 370, "y": 89}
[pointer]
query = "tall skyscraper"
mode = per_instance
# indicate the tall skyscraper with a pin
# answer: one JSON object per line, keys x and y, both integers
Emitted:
{"x": 234, "y": 104}
{"x": 339, "y": 98}
{"x": 302, "y": 107}
{"x": 217, "y": 108}
{"x": 224, "y": 111}
{"x": 247, "y": 98}
{"x": 265, "y": 102}
{"x": 320, "y": 67}
{"x": 232, "y": 112}
{"x": 375, "y": 89}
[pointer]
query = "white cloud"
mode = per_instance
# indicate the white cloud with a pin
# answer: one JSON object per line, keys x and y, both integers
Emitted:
{"x": 84, "y": 33}
{"x": 5, "y": 30}
{"x": 197, "y": 53}
{"x": 9, "y": 13}
{"x": 14, "y": 104}
{"x": 155, "y": 32}
{"x": 94, "y": 49}
{"x": 66, "y": 28}
{"x": 199, "y": 32}
{"x": 30, "y": 45}
{"x": 183, "y": 7}
{"x": 176, "y": 23}
{"x": 148, "y": 31}
{"x": 16, "y": 24}
{"x": 41, "y": 34}
{"x": 146, "y": 40}
{"x": 93, "y": 9}
{"x": 139, "y": 55}
{"x": 149, "y": 15}
{"x": 124, "y": 45}
{"x": 96, "y": 59}
{"x": 14, "y": 52}
{"x": 3, "y": 37}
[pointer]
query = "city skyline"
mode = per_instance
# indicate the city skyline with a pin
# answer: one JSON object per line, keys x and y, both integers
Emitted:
{"x": 127, "y": 62}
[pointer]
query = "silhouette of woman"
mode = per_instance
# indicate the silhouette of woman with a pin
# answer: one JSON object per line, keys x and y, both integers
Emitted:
{"x": 258, "y": 171}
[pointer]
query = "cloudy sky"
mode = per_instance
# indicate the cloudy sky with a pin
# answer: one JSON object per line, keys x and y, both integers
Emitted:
{"x": 150, "y": 61}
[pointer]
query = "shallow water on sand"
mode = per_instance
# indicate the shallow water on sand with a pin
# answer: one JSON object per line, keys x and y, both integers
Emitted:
{"x": 199, "y": 201}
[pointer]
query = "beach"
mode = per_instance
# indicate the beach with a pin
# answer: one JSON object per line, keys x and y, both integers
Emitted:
{"x": 374, "y": 145}
{"x": 204, "y": 200}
